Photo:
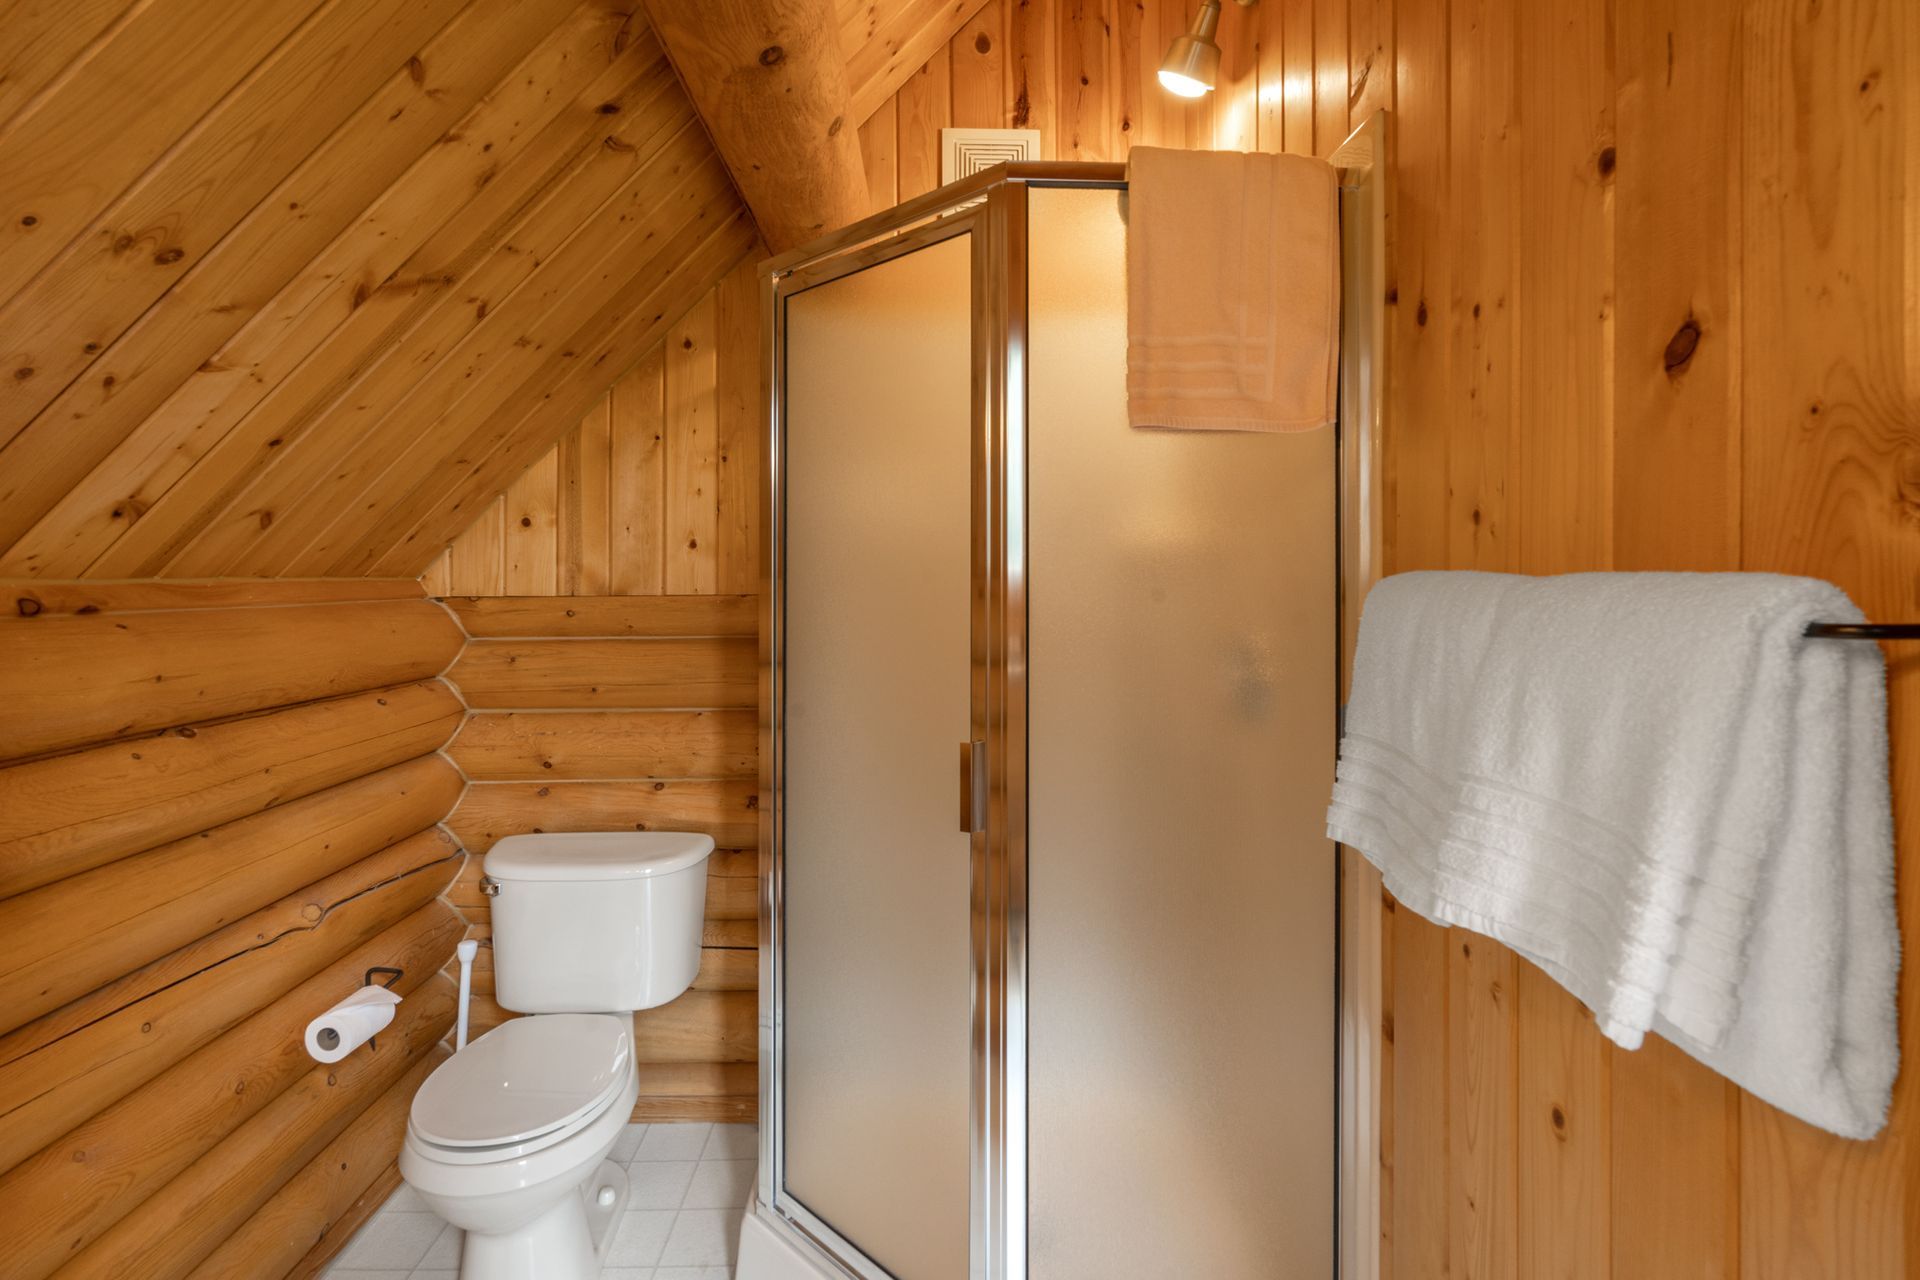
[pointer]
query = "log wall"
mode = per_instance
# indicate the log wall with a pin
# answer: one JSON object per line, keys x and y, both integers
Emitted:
{"x": 220, "y": 804}
{"x": 619, "y": 714}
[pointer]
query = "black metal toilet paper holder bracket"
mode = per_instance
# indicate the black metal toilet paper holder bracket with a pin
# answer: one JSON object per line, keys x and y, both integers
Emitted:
{"x": 391, "y": 976}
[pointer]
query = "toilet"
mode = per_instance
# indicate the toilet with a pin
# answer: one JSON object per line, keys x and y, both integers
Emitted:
{"x": 508, "y": 1139}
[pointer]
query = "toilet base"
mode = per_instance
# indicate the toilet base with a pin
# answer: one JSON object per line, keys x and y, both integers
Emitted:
{"x": 602, "y": 1218}
{"x": 568, "y": 1242}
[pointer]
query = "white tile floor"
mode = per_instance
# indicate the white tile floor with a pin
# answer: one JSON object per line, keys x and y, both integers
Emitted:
{"x": 689, "y": 1186}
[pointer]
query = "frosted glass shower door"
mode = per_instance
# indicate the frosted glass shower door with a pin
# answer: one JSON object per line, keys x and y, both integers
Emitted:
{"x": 876, "y": 467}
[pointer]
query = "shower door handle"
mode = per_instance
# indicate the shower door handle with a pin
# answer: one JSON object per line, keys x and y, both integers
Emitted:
{"x": 973, "y": 787}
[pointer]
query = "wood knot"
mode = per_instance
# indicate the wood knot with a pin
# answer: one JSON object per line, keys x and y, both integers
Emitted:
{"x": 28, "y": 607}
{"x": 526, "y": 522}
{"x": 1559, "y": 1121}
{"x": 1606, "y": 162}
{"x": 983, "y": 43}
{"x": 772, "y": 56}
{"x": 833, "y": 130}
{"x": 167, "y": 257}
{"x": 1420, "y": 314}
{"x": 1680, "y": 347}
{"x": 416, "y": 70}
{"x": 266, "y": 519}
{"x": 29, "y": 221}
{"x": 24, "y": 372}
{"x": 609, "y": 108}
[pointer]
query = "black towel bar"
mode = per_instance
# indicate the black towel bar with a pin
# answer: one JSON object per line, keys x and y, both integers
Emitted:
{"x": 1863, "y": 630}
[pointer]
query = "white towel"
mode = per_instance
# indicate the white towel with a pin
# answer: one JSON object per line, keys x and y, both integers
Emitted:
{"x": 1655, "y": 788}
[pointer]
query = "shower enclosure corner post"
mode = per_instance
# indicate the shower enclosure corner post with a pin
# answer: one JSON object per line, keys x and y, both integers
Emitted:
{"x": 767, "y": 1175}
{"x": 1000, "y": 871}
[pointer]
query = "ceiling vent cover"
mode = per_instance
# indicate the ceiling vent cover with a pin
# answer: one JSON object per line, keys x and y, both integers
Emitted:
{"x": 964, "y": 152}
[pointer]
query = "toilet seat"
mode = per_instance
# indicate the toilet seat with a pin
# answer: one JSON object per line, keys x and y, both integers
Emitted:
{"x": 523, "y": 1086}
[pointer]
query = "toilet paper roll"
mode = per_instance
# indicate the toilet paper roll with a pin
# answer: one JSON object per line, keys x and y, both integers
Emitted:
{"x": 351, "y": 1023}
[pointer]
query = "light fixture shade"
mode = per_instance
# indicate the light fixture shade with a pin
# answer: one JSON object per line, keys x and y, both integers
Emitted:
{"x": 1192, "y": 65}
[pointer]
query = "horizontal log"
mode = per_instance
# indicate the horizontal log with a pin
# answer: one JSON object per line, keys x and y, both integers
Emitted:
{"x": 318, "y": 1204}
{"x": 731, "y": 1109}
{"x": 730, "y": 933}
{"x": 314, "y": 1263}
{"x": 611, "y": 616}
{"x": 70, "y": 813}
{"x": 526, "y": 746}
{"x": 725, "y": 810}
{"x": 170, "y": 1232}
{"x": 494, "y": 675}
{"x": 420, "y": 868}
{"x": 698, "y": 1026}
{"x": 699, "y": 1079}
{"x": 66, "y": 939}
{"x": 70, "y": 681}
{"x": 62, "y": 1069}
{"x": 31, "y": 598}
{"x": 74, "y": 1191}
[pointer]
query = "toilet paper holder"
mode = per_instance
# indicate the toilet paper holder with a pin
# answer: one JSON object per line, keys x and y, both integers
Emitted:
{"x": 392, "y": 975}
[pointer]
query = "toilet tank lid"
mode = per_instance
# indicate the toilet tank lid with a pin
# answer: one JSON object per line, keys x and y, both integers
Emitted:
{"x": 595, "y": 855}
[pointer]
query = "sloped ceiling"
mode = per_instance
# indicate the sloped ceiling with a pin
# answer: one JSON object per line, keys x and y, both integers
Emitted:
{"x": 294, "y": 287}
{"x": 284, "y": 285}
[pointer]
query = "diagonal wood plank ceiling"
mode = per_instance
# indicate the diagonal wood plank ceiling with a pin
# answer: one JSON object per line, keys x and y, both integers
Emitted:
{"x": 291, "y": 288}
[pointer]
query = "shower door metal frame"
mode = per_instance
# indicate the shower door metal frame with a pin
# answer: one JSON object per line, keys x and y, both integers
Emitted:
{"x": 992, "y": 206}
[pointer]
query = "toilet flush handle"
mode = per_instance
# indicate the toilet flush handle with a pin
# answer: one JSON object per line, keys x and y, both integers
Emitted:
{"x": 489, "y": 887}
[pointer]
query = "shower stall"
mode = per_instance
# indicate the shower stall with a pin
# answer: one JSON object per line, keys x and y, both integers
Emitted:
{"x": 1050, "y": 944}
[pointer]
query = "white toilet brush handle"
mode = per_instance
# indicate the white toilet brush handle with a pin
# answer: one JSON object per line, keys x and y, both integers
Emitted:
{"x": 466, "y": 951}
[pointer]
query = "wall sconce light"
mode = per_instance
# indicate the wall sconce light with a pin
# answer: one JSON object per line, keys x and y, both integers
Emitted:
{"x": 1192, "y": 64}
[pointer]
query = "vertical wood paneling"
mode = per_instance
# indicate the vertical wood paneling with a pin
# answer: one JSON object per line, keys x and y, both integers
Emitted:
{"x": 1830, "y": 319}
{"x": 1485, "y": 181}
{"x": 1330, "y": 117}
{"x": 920, "y": 113}
{"x": 585, "y": 523}
{"x": 1086, "y": 111}
{"x": 692, "y": 454}
{"x": 878, "y": 149}
{"x": 1675, "y": 1201}
{"x": 1030, "y": 74}
{"x": 977, "y": 66}
{"x": 1560, "y": 489}
{"x": 1482, "y": 1077}
{"x": 1564, "y": 1130}
{"x": 532, "y": 527}
{"x": 741, "y": 395}
{"x": 477, "y": 560}
{"x": 638, "y": 421}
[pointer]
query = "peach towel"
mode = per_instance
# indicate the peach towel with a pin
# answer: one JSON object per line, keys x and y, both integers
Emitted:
{"x": 1233, "y": 290}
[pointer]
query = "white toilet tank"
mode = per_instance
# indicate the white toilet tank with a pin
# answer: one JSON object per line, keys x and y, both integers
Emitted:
{"x": 596, "y": 922}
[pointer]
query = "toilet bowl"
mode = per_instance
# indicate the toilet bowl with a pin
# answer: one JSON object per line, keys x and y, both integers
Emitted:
{"x": 508, "y": 1139}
